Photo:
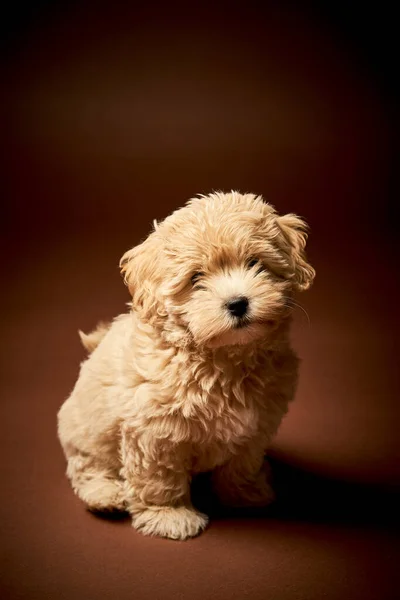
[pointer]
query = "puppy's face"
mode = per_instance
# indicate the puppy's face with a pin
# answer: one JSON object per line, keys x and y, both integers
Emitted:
{"x": 220, "y": 271}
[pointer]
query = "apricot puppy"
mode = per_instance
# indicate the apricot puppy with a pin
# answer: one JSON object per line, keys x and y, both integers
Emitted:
{"x": 198, "y": 375}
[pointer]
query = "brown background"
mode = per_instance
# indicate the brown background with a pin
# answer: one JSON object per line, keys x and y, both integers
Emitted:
{"x": 114, "y": 116}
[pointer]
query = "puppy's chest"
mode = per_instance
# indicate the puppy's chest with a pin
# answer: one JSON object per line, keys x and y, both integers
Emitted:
{"x": 223, "y": 418}
{"x": 225, "y": 436}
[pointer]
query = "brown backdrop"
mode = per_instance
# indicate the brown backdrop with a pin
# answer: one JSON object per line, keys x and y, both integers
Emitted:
{"x": 114, "y": 115}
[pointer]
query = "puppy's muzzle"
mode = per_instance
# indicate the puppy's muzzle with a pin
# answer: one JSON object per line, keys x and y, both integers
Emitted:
{"x": 238, "y": 307}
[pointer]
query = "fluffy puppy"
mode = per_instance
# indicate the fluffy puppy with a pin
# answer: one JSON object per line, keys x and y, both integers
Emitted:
{"x": 199, "y": 374}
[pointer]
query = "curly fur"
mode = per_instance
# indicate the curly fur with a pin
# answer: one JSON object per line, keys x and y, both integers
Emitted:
{"x": 91, "y": 340}
{"x": 179, "y": 386}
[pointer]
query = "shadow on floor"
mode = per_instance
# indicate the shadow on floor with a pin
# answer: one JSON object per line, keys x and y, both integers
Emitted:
{"x": 303, "y": 496}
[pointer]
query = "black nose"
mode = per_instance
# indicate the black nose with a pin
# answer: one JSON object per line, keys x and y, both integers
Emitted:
{"x": 238, "y": 306}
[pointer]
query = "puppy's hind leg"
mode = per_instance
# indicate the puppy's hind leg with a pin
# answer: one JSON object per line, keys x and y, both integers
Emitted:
{"x": 97, "y": 485}
{"x": 243, "y": 480}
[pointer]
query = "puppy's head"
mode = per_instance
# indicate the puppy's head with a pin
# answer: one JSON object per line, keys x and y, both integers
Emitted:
{"x": 220, "y": 271}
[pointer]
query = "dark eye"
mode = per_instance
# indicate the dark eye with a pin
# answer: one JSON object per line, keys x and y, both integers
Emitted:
{"x": 196, "y": 276}
{"x": 252, "y": 263}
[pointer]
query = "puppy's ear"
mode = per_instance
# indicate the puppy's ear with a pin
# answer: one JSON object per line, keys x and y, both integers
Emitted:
{"x": 127, "y": 267}
{"x": 292, "y": 241}
{"x": 140, "y": 268}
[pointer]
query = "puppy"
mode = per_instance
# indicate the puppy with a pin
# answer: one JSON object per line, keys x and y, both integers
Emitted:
{"x": 199, "y": 374}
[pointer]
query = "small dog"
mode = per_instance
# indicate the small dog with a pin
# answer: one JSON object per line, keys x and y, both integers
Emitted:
{"x": 198, "y": 376}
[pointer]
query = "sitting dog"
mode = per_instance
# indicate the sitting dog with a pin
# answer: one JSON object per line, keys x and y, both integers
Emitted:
{"x": 198, "y": 375}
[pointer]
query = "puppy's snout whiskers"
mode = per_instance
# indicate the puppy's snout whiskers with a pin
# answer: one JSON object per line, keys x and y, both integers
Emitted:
{"x": 290, "y": 303}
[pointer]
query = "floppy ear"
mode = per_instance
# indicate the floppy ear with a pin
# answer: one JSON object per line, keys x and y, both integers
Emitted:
{"x": 140, "y": 268}
{"x": 127, "y": 267}
{"x": 292, "y": 240}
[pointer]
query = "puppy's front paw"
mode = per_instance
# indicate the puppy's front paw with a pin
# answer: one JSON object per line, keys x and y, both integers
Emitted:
{"x": 168, "y": 522}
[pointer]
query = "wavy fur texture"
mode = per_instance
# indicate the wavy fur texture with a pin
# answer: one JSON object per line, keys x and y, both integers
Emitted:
{"x": 179, "y": 385}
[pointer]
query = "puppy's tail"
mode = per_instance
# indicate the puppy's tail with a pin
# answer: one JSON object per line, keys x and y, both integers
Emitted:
{"x": 91, "y": 340}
